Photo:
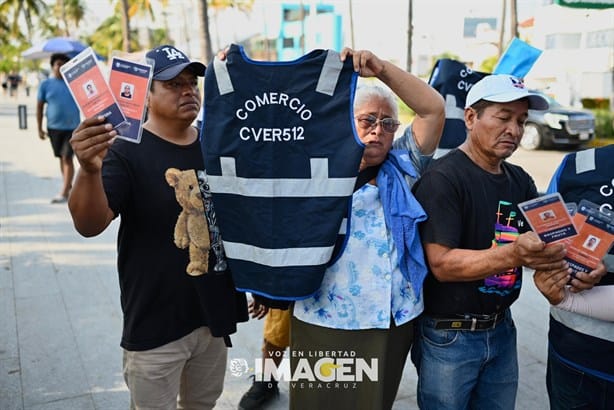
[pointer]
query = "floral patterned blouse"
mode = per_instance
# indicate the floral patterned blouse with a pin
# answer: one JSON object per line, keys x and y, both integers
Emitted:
{"x": 364, "y": 288}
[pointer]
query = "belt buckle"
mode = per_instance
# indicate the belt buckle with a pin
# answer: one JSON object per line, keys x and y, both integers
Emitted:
{"x": 494, "y": 320}
{"x": 474, "y": 322}
{"x": 456, "y": 324}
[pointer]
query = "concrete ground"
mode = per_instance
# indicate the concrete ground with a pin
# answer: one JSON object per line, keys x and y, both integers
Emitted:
{"x": 60, "y": 318}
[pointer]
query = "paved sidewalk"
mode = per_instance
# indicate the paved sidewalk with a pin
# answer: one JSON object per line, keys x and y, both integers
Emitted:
{"x": 60, "y": 318}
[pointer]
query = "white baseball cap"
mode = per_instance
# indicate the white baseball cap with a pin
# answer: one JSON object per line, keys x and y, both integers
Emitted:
{"x": 502, "y": 88}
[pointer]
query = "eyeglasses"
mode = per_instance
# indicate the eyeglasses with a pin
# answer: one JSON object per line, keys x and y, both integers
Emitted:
{"x": 368, "y": 122}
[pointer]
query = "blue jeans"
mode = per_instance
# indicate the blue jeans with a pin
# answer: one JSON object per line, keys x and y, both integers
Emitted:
{"x": 463, "y": 369}
{"x": 570, "y": 388}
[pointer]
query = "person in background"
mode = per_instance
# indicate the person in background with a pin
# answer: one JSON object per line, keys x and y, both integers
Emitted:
{"x": 14, "y": 79}
{"x": 174, "y": 355}
{"x": 476, "y": 244}
{"x": 55, "y": 102}
{"x": 373, "y": 290}
{"x": 580, "y": 371}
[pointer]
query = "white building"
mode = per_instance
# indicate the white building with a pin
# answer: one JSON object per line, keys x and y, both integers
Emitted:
{"x": 578, "y": 53}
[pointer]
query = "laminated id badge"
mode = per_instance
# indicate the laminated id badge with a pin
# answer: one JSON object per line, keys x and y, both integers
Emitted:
{"x": 129, "y": 82}
{"x": 594, "y": 239}
{"x": 549, "y": 217}
{"x": 89, "y": 89}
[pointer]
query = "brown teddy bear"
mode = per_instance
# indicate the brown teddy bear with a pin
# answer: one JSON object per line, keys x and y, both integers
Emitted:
{"x": 191, "y": 229}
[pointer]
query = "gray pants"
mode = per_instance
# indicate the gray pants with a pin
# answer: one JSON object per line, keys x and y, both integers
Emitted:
{"x": 191, "y": 368}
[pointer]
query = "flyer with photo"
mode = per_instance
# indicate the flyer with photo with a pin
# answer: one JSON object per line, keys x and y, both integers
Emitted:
{"x": 129, "y": 82}
{"x": 89, "y": 89}
{"x": 594, "y": 239}
{"x": 549, "y": 218}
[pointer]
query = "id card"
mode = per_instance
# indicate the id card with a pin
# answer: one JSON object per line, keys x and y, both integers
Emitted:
{"x": 89, "y": 89}
{"x": 549, "y": 217}
{"x": 594, "y": 239}
{"x": 129, "y": 82}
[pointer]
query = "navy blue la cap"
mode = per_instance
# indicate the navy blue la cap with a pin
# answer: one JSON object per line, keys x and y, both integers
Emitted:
{"x": 168, "y": 62}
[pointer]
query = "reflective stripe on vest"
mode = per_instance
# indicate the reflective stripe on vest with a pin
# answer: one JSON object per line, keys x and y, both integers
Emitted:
{"x": 281, "y": 159}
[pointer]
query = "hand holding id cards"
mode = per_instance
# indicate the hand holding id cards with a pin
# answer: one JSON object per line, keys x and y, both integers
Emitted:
{"x": 548, "y": 217}
{"x": 594, "y": 239}
{"x": 89, "y": 89}
{"x": 121, "y": 101}
{"x": 588, "y": 235}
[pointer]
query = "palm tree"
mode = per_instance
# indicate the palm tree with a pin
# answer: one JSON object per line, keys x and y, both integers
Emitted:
{"x": 206, "y": 49}
{"x": 514, "y": 18}
{"x": 67, "y": 12}
{"x": 109, "y": 36}
{"x": 351, "y": 11}
{"x": 513, "y": 23}
{"x": 127, "y": 10}
{"x": 22, "y": 8}
{"x": 125, "y": 20}
{"x": 5, "y": 27}
{"x": 502, "y": 26}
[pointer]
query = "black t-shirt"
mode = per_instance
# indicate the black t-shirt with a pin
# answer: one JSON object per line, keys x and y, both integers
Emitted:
{"x": 469, "y": 208}
{"x": 159, "y": 299}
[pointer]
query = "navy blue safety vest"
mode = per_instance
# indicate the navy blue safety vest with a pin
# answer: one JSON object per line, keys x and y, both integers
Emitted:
{"x": 281, "y": 157}
{"x": 587, "y": 174}
{"x": 453, "y": 80}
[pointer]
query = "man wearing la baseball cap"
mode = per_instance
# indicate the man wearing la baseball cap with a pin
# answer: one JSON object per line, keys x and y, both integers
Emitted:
{"x": 476, "y": 244}
{"x": 178, "y": 300}
{"x": 168, "y": 62}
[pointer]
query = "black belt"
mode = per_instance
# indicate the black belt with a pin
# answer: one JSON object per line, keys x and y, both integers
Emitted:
{"x": 468, "y": 322}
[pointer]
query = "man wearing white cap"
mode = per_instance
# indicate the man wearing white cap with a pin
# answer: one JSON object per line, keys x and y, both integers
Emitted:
{"x": 476, "y": 243}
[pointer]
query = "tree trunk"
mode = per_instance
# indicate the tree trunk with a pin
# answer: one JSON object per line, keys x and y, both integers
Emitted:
{"x": 410, "y": 34}
{"x": 502, "y": 26}
{"x": 125, "y": 26}
{"x": 514, "y": 18}
{"x": 206, "y": 52}
{"x": 352, "y": 45}
{"x": 62, "y": 16}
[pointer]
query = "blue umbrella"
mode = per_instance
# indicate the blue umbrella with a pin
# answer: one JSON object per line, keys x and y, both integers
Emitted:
{"x": 65, "y": 45}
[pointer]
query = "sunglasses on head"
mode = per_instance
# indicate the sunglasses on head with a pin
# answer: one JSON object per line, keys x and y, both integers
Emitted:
{"x": 367, "y": 122}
